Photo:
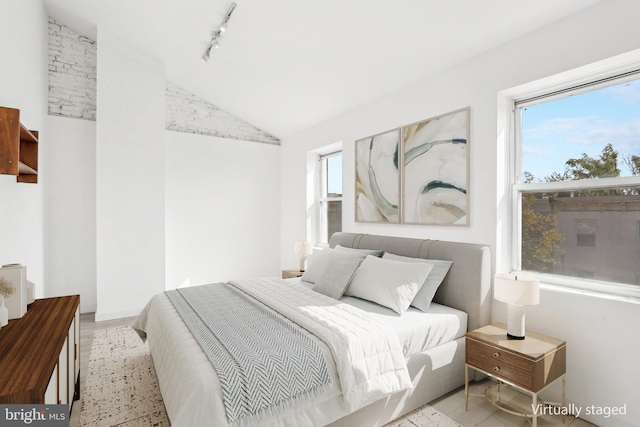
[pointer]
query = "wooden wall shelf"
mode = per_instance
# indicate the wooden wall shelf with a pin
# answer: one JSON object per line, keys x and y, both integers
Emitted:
{"x": 18, "y": 147}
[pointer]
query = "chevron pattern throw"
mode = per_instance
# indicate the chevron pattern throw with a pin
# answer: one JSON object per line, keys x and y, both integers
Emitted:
{"x": 265, "y": 362}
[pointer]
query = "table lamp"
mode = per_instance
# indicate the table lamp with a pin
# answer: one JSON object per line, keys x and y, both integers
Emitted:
{"x": 516, "y": 290}
{"x": 303, "y": 249}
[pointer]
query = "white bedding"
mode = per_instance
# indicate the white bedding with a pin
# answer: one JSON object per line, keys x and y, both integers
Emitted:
{"x": 191, "y": 389}
{"x": 417, "y": 330}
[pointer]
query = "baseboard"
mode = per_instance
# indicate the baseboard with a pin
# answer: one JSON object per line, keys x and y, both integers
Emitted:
{"x": 101, "y": 317}
{"x": 91, "y": 308}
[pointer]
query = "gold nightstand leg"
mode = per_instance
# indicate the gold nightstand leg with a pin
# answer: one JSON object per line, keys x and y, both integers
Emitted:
{"x": 466, "y": 387}
{"x": 534, "y": 416}
{"x": 564, "y": 396}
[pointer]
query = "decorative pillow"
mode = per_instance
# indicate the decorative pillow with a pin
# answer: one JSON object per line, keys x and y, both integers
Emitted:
{"x": 338, "y": 273}
{"x": 316, "y": 265}
{"x": 390, "y": 283}
{"x": 426, "y": 293}
{"x": 375, "y": 252}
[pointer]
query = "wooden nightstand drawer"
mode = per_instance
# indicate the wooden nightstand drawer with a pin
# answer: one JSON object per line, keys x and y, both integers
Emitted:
{"x": 497, "y": 355}
{"x": 501, "y": 370}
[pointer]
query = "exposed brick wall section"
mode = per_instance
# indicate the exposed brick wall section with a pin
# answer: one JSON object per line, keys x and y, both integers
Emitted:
{"x": 186, "y": 112}
{"x": 72, "y": 73}
{"x": 72, "y": 92}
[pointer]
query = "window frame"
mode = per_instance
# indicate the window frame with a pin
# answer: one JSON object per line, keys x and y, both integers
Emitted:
{"x": 612, "y": 290}
{"x": 321, "y": 196}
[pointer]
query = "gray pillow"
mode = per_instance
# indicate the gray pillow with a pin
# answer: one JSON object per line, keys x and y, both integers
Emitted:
{"x": 317, "y": 263}
{"x": 374, "y": 252}
{"x": 338, "y": 273}
{"x": 425, "y": 295}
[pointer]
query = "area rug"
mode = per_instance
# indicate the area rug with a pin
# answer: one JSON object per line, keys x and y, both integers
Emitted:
{"x": 122, "y": 389}
{"x": 425, "y": 416}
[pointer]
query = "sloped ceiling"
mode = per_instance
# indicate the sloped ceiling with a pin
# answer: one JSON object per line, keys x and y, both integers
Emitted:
{"x": 285, "y": 65}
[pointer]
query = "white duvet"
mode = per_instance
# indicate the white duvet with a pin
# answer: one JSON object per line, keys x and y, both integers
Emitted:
{"x": 364, "y": 357}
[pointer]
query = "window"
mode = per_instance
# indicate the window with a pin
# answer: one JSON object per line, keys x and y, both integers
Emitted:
{"x": 329, "y": 200}
{"x": 576, "y": 185}
{"x": 586, "y": 232}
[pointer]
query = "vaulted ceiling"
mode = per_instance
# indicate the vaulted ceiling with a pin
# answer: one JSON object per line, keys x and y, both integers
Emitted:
{"x": 285, "y": 65}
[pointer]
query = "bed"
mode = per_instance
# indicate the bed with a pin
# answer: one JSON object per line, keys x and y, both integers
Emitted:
{"x": 433, "y": 354}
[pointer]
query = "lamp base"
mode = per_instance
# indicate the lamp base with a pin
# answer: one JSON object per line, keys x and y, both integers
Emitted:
{"x": 513, "y": 337}
{"x": 515, "y": 322}
{"x": 303, "y": 262}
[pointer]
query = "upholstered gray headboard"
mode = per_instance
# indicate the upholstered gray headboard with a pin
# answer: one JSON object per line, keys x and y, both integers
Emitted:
{"x": 467, "y": 286}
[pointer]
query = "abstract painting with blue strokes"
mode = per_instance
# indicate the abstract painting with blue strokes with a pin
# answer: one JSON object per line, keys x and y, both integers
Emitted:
{"x": 377, "y": 178}
{"x": 435, "y": 170}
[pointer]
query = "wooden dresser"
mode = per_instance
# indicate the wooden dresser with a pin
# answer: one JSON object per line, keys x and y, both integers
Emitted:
{"x": 40, "y": 354}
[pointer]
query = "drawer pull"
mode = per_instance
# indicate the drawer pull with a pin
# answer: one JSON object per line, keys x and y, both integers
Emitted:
{"x": 496, "y": 354}
{"x": 496, "y": 369}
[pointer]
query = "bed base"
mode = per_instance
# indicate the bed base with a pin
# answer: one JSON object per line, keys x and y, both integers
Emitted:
{"x": 434, "y": 373}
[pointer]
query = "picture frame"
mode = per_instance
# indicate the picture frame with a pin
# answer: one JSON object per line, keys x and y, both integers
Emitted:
{"x": 377, "y": 198}
{"x": 435, "y": 170}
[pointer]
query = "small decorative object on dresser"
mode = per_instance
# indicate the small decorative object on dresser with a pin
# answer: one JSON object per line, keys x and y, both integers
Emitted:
{"x": 528, "y": 366}
{"x": 31, "y": 291}
{"x": 6, "y": 290}
{"x": 17, "y": 302}
{"x": 4, "y": 313}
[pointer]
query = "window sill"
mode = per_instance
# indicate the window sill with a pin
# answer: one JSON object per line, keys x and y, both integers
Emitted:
{"x": 586, "y": 287}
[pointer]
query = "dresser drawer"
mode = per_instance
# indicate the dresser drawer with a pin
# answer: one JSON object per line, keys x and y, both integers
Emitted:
{"x": 476, "y": 348}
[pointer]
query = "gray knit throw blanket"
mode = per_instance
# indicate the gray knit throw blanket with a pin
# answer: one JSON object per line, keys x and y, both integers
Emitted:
{"x": 266, "y": 364}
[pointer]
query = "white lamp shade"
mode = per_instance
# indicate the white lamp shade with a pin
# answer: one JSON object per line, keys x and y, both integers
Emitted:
{"x": 303, "y": 248}
{"x": 516, "y": 289}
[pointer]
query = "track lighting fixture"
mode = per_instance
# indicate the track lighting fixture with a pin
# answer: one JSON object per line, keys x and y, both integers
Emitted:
{"x": 216, "y": 36}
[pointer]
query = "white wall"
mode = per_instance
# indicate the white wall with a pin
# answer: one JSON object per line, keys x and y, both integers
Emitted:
{"x": 23, "y": 85}
{"x": 222, "y": 209}
{"x": 95, "y": 224}
{"x": 70, "y": 209}
{"x": 129, "y": 178}
{"x": 598, "y": 372}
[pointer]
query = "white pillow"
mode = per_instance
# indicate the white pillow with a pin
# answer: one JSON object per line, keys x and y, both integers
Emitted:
{"x": 316, "y": 265}
{"x": 425, "y": 295}
{"x": 390, "y": 283}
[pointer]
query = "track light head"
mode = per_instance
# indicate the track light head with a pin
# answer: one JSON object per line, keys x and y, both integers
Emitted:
{"x": 216, "y": 36}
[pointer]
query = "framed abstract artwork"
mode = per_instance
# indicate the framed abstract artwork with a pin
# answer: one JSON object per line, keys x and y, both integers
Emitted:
{"x": 378, "y": 178}
{"x": 435, "y": 170}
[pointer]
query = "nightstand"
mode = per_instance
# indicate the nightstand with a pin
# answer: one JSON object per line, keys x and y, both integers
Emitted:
{"x": 528, "y": 365}
{"x": 289, "y": 274}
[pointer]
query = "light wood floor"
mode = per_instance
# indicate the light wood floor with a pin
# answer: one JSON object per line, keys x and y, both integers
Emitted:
{"x": 481, "y": 413}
